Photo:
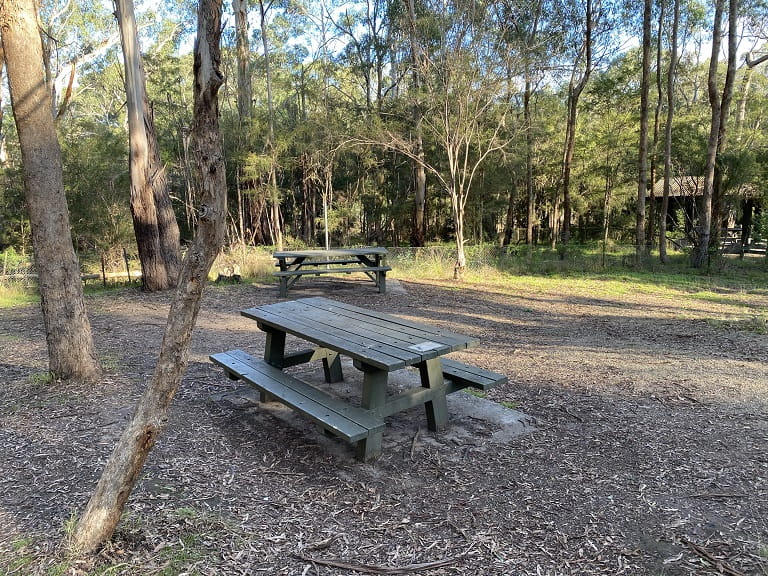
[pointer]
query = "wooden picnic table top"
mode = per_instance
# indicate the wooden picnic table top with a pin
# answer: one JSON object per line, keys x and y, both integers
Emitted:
{"x": 334, "y": 253}
{"x": 377, "y": 339}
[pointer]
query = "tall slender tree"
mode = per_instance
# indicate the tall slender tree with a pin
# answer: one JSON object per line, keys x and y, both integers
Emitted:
{"x": 418, "y": 68}
{"x": 642, "y": 163}
{"x": 71, "y": 353}
{"x": 671, "y": 77}
{"x": 580, "y": 73}
{"x": 243, "y": 51}
{"x": 718, "y": 190}
{"x": 154, "y": 221}
{"x": 700, "y": 253}
{"x": 273, "y": 196}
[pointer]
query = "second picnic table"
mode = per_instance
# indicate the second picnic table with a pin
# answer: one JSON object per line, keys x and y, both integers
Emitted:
{"x": 378, "y": 344}
{"x": 294, "y": 264}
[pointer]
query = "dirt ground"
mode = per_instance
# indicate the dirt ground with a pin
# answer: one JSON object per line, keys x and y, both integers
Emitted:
{"x": 646, "y": 450}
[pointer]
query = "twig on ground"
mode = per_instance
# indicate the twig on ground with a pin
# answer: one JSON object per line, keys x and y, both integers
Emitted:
{"x": 413, "y": 443}
{"x": 378, "y": 569}
{"x": 571, "y": 414}
{"x": 720, "y": 565}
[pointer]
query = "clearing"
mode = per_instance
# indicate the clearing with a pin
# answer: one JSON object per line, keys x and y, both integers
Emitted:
{"x": 646, "y": 451}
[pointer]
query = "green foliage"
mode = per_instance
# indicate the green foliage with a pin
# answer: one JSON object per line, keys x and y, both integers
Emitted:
{"x": 98, "y": 187}
{"x": 14, "y": 224}
{"x": 352, "y": 79}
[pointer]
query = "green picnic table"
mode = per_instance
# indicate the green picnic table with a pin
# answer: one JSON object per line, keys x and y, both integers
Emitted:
{"x": 378, "y": 345}
{"x": 294, "y": 264}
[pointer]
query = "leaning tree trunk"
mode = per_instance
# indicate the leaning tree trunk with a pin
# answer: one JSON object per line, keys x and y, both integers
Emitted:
{"x": 725, "y": 107}
{"x": 575, "y": 89}
{"x": 71, "y": 354}
{"x": 154, "y": 223}
{"x": 124, "y": 465}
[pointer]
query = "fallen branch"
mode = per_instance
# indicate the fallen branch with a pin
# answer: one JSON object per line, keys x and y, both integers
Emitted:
{"x": 720, "y": 565}
{"x": 378, "y": 569}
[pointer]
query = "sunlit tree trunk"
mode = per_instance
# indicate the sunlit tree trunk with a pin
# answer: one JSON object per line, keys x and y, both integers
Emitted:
{"x": 240, "y": 8}
{"x": 725, "y": 109}
{"x": 671, "y": 77}
{"x": 575, "y": 89}
{"x": 127, "y": 459}
{"x": 700, "y": 252}
{"x": 154, "y": 223}
{"x": 71, "y": 353}
{"x": 419, "y": 231}
{"x": 642, "y": 179}
{"x": 3, "y": 150}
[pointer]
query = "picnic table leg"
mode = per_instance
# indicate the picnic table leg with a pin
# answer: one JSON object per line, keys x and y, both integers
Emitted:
{"x": 431, "y": 372}
{"x": 381, "y": 281}
{"x": 274, "y": 353}
{"x": 374, "y": 396}
{"x": 283, "y": 287}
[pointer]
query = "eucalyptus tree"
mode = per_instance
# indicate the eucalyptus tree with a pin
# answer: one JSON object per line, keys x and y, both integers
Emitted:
{"x": 124, "y": 465}
{"x": 464, "y": 119}
{"x": 670, "y": 86}
{"x": 590, "y": 38}
{"x": 709, "y": 213}
{"x": 365, "y": 29}
{"x": 270, "y": 149}
{"x": 642, "y": 162}
{"x": 531, "y": 34}
{"x": 244, "y": 69}
{"x": 411, "y": 38}
{"x": 154, "y": 220}
{"x": 68, "y": 334}
{"x": 74, "y": 37}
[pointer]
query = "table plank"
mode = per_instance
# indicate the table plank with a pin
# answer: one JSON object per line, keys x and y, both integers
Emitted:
{"x": 419, "y": 331}
{"x": 375, "y": 338}
{"x": 334, "y": 253}
{"x": 381, "y": 356}
{"x": 379, "y": 333}
{"x": 297, "y": 314}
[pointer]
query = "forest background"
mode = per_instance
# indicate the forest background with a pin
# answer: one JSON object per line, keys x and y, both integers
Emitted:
{"x": 416, "y": 122}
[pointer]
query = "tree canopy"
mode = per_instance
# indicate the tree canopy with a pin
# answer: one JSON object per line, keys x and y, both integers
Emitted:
{"x": 410, "y": 121}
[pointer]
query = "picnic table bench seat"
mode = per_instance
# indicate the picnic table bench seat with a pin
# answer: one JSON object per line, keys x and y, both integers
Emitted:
{"x": 338, "y": 270}
{"x": 333, "y": 415}
{"x": 324, "y": 262}
{"x": 459, "y": 376}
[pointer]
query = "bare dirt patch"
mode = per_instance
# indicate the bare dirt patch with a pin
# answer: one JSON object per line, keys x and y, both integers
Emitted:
{"x": 648, "y": 454}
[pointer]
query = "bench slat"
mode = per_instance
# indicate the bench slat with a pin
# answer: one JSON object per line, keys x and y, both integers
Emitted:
{"x": 340, "y": 270}
{"x": 321, "y": 262}
{"x": 343, "y": 419}
{"x": 459, "y": 376}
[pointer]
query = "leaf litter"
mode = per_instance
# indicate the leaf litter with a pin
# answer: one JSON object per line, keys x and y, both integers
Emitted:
{"x": 647, "y": 454}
